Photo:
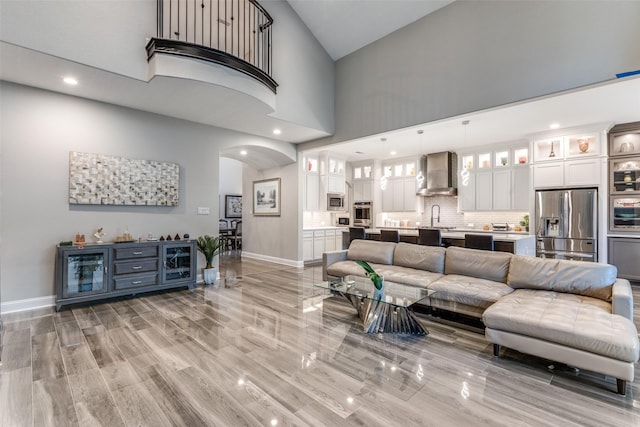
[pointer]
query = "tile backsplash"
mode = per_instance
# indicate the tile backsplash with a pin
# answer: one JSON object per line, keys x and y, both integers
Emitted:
{"x": 449, "y": 216}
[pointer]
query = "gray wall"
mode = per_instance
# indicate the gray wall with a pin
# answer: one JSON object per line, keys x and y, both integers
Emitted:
{"x": 273, "y": 236}
{"x": 39, "y": 128}
{"x": 473, "y": 55}
{"x": 112, "y": 35}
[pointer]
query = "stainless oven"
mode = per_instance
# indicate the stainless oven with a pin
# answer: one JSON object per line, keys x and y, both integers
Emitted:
{"x": 335, "y": 202}
{"x": 362, "y": 214}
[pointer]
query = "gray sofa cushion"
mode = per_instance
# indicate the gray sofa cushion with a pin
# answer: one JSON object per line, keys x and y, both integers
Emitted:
{"x": 574, "y": 277}
{"x": 430, "y": 258}
{"x": 371, "y": 251}
{"x": 468, "y": 290}
{"x": 476, "y": 263}
{"x": 573, "y": 320}
{"x": 346, "y": 268}
{"x": 392, "y": 273}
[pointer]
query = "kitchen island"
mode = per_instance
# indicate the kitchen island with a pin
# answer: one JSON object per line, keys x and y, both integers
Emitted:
{"x": 520, "y": 243}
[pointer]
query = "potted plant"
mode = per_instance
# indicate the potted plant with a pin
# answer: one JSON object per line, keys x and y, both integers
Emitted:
{"x": 209, "y": 246}
{"x": 525, "y": 222}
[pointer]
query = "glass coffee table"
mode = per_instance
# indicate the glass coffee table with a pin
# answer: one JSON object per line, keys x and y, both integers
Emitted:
{"x": 389, "y": 311}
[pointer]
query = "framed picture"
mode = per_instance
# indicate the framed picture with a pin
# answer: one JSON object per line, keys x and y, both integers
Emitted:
{"x": 232, "y": 206}
{"x": 266, "y": 197}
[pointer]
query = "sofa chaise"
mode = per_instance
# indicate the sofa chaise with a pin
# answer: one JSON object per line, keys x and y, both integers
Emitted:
{"x": 568, "y": 311}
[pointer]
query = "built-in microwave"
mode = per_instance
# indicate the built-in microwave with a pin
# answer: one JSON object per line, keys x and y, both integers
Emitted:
{"x": 335, "y": 202}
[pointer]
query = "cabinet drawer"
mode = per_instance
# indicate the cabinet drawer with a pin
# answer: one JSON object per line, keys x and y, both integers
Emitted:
{"x": 136, "y": 281}
{"x": 136, "y": 252}
{"x": 140, "y": 266}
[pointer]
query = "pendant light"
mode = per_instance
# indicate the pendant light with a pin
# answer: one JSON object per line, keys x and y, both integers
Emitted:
{"x": 464, "y": 173}
{"x": 383, "y": 179}
{"x": 420, "y": 174}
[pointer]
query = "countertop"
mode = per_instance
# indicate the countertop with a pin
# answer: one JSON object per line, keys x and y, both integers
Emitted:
{"x": 459, "y": 234}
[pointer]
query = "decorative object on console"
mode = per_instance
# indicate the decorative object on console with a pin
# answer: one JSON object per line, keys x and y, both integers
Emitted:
{"x": 376, "y": 279}
{"x": 99, "y": 234}
{"x": 96, "y": 179}
{"x": 209, "y": 246}
{"x": 266, "y": 197}
{"x": 79, "y": 240}
{"x": 232, "y": 206}
{"x": 176, "y": 237}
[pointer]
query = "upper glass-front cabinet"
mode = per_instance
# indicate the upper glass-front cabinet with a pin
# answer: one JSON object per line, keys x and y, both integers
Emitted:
{"x": 566, "y": 147}
{"x": 624, "y": 143}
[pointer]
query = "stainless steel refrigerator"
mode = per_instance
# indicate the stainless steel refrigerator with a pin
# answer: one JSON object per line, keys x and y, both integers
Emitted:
{"x": 567, "y": 224}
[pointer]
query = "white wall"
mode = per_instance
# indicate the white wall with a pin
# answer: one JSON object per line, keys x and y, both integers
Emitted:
{"x": 40, "y": 128}
{"x": 473, "y": 55}
{"x": 230, "y": 180}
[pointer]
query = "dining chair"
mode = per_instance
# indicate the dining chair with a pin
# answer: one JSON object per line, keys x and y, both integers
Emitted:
{"x": 236, "y": 236}
{"x": 356, "y": 233}
{"x": 429, "y": 237}
{"x": 478, "y": 241}
{"x": 390, "y": 236}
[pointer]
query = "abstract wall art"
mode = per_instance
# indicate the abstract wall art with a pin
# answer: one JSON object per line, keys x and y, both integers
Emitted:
{"x": 96, "y": 179}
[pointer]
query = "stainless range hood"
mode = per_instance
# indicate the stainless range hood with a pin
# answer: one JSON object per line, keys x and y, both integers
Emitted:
{"x": 440, "y": 170}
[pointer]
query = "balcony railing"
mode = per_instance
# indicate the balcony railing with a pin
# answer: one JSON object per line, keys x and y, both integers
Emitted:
{"x": 234, "y": 33}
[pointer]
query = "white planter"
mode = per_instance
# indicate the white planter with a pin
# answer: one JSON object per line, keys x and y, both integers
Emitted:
{"x": 210, "y": 275}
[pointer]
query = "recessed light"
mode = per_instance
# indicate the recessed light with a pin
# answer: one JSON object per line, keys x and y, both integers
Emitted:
{"x": 554, "y": 126}
{"x": 70, "y": 81}
{"x": 393, "y": 153}
{"x": 243, "y": 153}
{"x": 277, "y": 131}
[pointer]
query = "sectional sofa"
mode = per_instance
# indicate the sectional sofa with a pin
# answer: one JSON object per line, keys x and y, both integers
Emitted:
{"x": 572, "y": 312}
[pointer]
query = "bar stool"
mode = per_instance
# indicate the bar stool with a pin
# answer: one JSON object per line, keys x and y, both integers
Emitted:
{"x": 478, "y": 241}
{"x": 429, "y": 237}
{"x": 390, "y": 236}
{"x": 356, "y": 233}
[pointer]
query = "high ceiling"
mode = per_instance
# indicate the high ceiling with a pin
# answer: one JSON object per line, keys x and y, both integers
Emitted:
{"x": 344, "y": 26}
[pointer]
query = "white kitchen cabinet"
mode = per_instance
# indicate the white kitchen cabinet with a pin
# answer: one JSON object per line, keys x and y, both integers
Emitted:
{"x": 363, "y": 190}
{"x": 582, "y": 172}
{"x": 571, "y": 173}
{"x": 409, "y": 187}
{"x": 318, "y": 244}
{"x": 311, "y": 197}
{"x": 467, "y": 193}
{"x": 399, "y": 196}
{"x": 330, "y": 241}
{"x": 501, "y": 185}
{"x": 497, "y": 178}
{"x": 484, "y": 191}
{"x": 336, "y": 184}
{"x": 521, "y": 189}
{"x": 548, "y": 175}
{"x": 307, "y": 245}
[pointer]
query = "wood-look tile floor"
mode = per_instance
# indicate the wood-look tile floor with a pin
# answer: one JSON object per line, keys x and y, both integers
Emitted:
{"x": 266, "y": 348}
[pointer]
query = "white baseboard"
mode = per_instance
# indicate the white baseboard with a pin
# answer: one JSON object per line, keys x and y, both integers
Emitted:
{"x": 27, "y": 304}
{"x": 289, "y": 262}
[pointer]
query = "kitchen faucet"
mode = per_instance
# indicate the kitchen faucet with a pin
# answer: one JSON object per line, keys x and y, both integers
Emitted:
{"x": 433, "y": 206}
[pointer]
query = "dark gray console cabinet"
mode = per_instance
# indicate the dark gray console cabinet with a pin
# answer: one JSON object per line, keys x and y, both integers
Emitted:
{"x": 94, "y": 272}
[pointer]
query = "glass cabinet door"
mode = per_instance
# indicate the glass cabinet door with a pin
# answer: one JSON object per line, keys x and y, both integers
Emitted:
{"x": 625, "y": 175}
{"x": 625, "y": 213}
{"x": 84, "y": 273}
{"x": 178, "y": 259}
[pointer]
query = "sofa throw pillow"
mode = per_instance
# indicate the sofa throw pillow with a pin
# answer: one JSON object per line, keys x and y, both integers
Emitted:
{"x": 574, "y": 277}
{"x": 371, "y": 251}
{"x": 429, "y": 258}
